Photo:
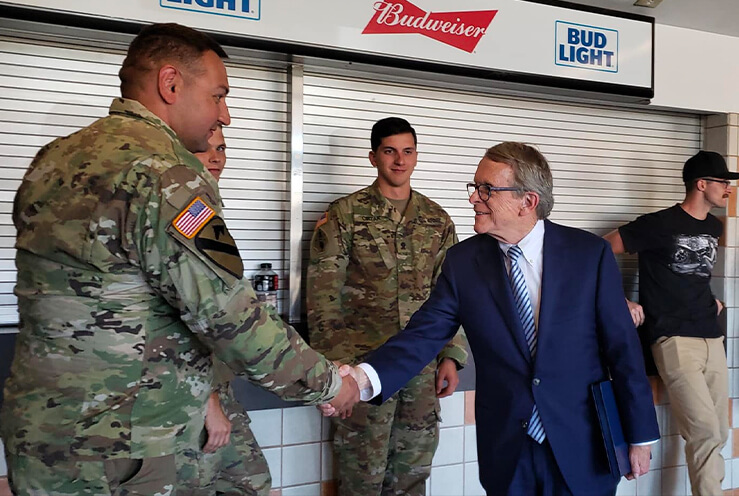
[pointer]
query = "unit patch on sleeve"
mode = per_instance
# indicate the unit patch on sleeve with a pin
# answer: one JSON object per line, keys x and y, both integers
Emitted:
{"x": 215, "y": 242}
{"x": 191, "y": 220}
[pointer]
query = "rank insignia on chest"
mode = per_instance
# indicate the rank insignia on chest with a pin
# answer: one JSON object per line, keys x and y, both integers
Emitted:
{"x": 191, "y": 220}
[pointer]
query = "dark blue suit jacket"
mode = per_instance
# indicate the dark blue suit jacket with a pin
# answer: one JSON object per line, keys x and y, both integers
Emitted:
{"x": 584, "y": 326}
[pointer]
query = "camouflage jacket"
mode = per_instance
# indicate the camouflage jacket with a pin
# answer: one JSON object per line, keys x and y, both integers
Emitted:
{"x": 128, "y": 280}
{"x": 371, "y": 268}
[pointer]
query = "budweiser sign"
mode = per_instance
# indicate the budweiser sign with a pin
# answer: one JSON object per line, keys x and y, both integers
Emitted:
{"x": 461, "y": 30}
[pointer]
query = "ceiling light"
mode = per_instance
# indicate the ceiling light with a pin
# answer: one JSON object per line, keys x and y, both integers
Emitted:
{"x": 647, "y": 3}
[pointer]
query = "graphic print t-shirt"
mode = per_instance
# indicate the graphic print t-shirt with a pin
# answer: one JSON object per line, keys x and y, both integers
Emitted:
{"x": 676, "y": 255}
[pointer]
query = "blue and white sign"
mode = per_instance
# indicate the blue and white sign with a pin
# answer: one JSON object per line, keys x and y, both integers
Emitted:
{"x": 245, "y": 9}
{"x": 587, "y": 47}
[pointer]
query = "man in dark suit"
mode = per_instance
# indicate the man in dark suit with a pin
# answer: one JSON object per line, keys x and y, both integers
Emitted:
{"x": 545, "y": 315}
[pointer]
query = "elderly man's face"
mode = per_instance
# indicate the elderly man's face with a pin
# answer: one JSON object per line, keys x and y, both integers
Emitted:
{"x": 214, "y": 159}
{"x": 500, "y": 215}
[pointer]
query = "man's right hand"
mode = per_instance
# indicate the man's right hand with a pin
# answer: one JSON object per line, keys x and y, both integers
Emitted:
{"x": 637, "y": 312}
{"x": 217, "y": 425}
{"x": 348, "y": 395}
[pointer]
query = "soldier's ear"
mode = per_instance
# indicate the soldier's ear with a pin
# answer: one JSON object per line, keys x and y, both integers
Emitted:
{"x": 372, "y": 159}
{"x": 169, "y": 83}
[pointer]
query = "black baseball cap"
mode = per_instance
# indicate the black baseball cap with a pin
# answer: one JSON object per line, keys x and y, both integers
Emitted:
{"x": 706, "y": 164}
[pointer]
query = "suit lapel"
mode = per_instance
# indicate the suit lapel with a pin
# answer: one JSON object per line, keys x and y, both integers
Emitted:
{"x": 554, "y": 270}
{"x": 490, "y": 261}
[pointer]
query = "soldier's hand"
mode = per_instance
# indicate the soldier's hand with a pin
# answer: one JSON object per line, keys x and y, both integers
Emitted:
{"x": 348, "y": 395}
{"x": 327, "y": 409}
{"x": 637, "y": 312}
{"x": 217, "y": 425}
{"x": 446, "y": 372}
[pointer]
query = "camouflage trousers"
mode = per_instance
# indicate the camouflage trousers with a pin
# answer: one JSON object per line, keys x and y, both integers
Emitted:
{"x": 387, "y": 449}
{"x": 30, "y": 476}
{"x": 237, "y": 469}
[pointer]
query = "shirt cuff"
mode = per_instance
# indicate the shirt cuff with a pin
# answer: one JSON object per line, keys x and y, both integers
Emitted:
{"x": 645, "y": 443}
{"x": 374, "y": 387}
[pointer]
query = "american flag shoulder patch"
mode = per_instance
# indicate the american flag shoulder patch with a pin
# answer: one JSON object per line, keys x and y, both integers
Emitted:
{"x": 322, "y": 220}
{"x": 193, "y": 218}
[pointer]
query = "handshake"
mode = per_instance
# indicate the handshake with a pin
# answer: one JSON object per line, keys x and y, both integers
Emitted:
{"x": 354, "y": 380}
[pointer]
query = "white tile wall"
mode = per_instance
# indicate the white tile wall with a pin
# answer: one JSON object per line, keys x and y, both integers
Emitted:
{"x": 649, "y": 484}
{"x": 626, "y": 488}
{"x": 472, "y": 486}
{"x": 327, "y": 461}
{"x": 267, "y": 427}
{"x": 726, "y": 451}
{"x": 274, "y": 462}
{"x": 304, "y": 490}
{"x": 451, "y": 447}
{"x": 728, "y": 476}
{"x": 447, "y": 481}
{"x": 674, "y": 481}
{"x": 301, "y": 425}
{"x": 656, "y": 462}
{"x": 301, "y": 464}
{"x": 452, "y": 410}
{"x": 735, "y": 469}
{"x": 470, "y": 443}
{"x": 673, "y": 453}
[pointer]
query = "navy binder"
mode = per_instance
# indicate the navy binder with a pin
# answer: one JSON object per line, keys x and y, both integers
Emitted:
{"x": 617, "y": 449}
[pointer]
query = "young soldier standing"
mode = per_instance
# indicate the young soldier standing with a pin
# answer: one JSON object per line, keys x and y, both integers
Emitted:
{"x": 374, "y": 257}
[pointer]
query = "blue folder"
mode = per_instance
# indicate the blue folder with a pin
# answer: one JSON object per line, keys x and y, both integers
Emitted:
{"x": 617, "y": 449}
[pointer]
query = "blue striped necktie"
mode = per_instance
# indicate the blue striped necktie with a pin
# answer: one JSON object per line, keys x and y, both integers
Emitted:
{"x": 526, "y": 313}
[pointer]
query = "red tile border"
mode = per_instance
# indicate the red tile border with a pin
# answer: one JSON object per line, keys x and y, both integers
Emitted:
{"x": 328, "y": 488}
{"x": 731, "y": 209}
{"x": 469, "y": 407}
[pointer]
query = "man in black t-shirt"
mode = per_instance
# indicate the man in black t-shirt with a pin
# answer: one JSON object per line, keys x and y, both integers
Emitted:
{"x": 677, "y": 250}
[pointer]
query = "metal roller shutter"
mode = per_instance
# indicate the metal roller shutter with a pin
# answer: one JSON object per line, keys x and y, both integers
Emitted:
{"x": 49, "y": 90}
{"x": 609, "y": 164}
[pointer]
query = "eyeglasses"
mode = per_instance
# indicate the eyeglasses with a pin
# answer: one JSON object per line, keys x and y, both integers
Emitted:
{"x": 725, "y": 182}
{"x": 485, "y": 190}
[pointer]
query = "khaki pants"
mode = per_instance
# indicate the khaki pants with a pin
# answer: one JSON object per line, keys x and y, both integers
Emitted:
{"x": 696, "y": 377}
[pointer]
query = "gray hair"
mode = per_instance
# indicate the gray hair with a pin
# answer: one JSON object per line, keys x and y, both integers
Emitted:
{"x": 530, "y": 172}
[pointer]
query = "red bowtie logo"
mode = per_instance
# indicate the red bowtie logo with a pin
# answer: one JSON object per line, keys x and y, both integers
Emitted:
{"x": 461, "y": 30}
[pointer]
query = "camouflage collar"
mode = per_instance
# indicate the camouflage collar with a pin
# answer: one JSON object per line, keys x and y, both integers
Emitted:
{"x": 133, "y": 108}
{"x": 383, "y": 207}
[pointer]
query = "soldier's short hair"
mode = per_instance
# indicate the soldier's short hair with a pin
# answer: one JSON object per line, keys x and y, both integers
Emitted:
{"x": 531, "y": 171}
{"x": 390, "y": 126}
{"x": 165, "y": 43}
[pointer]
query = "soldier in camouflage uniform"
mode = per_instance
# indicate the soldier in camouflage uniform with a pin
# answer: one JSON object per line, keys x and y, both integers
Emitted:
{"x": 128, "y": 280}
{"x": 232, "y": 455}
{"x": 374, "y": 258}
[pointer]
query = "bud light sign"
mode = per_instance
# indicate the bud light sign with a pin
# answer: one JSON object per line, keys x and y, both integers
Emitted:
{"x": 587, "y": 47}
{"x": 246, "y": 9}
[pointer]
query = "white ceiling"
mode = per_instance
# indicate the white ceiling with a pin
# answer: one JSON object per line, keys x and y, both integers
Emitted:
{"x": 715, "y": 16}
